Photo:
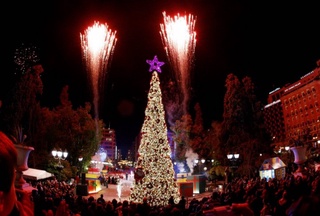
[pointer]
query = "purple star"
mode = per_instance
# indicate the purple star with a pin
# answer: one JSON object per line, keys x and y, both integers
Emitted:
{"x": 155, "y": 64}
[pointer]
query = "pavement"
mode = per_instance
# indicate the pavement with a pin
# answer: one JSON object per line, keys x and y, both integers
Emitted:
{"x": 121, "y": 192}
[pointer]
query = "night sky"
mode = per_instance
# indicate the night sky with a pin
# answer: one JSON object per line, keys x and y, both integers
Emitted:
{"x": 273, "y": 42}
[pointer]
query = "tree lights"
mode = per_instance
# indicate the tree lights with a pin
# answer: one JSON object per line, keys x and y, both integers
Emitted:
{"x": 154, "y": 173}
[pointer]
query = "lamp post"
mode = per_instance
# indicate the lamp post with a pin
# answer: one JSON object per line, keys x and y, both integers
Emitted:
{"x": 202, "y": 166}
{"x": 80, "y": 158}
{"x": 59, "y": 155}
{"x": 233, "y": 158}
{"x": 196, "y": 161}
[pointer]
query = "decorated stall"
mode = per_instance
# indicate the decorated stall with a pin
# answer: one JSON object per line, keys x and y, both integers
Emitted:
{"x": 272, "y": 168}
{"x": 93, "y": 180}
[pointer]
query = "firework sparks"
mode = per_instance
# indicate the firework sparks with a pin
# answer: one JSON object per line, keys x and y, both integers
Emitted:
{"x": 98, "y": 43}
{"x": 25, "y": 57}
{"x": 179, "y": 40}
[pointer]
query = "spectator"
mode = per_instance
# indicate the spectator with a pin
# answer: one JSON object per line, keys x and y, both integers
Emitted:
{"x": 182, "y": 203}
{"x": 171, "y": 201}
{"x": 101, "y": 200}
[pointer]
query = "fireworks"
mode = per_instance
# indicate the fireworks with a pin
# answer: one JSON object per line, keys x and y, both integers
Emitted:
{"x": 179, "y": 40}
{"x": 25, "y": 57}
{"x": 98, "y": 43}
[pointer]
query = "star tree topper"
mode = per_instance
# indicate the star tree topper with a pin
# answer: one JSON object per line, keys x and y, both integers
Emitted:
{"x": 155, "y": 64}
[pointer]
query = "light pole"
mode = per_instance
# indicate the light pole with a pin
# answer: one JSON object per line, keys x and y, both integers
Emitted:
{"x": 196, "y": 161}
{"x": 80, "y": 158}
{"x": 202, "y": 166}
{"x": 233, "y": 162}
{"x": 233, "y": 159}
{"x": 59, "y": 155}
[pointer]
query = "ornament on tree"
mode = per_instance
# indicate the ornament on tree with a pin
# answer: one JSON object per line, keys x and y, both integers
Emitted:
{"x": 138, "y": 174}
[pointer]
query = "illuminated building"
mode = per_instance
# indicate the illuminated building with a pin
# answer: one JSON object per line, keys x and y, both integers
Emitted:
{"x": 108, "y": 142}
{"x": 293, "y": 111}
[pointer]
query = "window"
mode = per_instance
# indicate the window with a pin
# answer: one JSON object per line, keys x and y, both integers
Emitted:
{"x": 308, "y": 91}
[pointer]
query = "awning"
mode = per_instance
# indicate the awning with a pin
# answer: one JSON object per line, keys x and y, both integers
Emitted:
{"x": 272, "y": 163}
{"x": 36, "y": 174}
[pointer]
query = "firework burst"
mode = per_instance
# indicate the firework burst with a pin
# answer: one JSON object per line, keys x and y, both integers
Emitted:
{"x": 179, "y": 40}
{"x": 98, "y": 43}
{"x": 25, "y": 57}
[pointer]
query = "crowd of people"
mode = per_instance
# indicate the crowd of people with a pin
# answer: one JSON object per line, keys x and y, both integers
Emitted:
{"x": 290, "y": 196}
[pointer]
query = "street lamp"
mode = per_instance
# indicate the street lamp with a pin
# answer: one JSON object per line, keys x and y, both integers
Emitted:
{"x": 203, "y": 161}
{"x": 233, "y": 162}
{"x": 80, "y": 158}
{"x": 233, "y": 157}
{"x": 195, "y": 164}
{"x": 59, "y": 155}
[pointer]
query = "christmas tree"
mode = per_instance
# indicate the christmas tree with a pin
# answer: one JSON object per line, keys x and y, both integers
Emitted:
{"x": 154, "y": 173}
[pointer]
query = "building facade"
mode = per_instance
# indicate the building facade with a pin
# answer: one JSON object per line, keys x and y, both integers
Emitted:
{"x": 293, "y": 111}
{"x": 108, "y": 143}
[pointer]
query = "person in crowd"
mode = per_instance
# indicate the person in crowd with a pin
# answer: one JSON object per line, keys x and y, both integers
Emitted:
{"x": 171, "y": 200}
{"x": 12, "y": 200}
{"x": 101, "y": 200}
{"x": 182, "y": 203}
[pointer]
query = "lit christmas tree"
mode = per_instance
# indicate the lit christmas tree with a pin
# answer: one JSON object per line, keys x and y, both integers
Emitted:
{"x": 154, "y": 174}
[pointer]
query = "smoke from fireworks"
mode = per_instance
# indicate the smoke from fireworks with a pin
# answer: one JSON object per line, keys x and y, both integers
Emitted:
{"x": 179, "y": 40}
{"x": 98, "y": 43}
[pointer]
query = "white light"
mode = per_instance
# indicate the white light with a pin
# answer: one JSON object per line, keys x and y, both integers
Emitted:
{"x": 203, "y": 160}
{"x": 236, "y": 156}
{"x": 54, "y": 152}
{"x": 287, "y": 148}
{"x": 196, "y": 161}
{"x": 229, "y": 156}
{"x": 65, "y": 154}
{"x": 59, "y": 153}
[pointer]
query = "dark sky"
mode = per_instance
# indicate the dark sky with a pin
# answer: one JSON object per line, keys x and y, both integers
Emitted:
{"x": 273, "y": 42}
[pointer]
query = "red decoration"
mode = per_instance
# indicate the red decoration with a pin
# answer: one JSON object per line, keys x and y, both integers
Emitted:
{"x": 186, "y": 189}
{"x": 138, "y": 174}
